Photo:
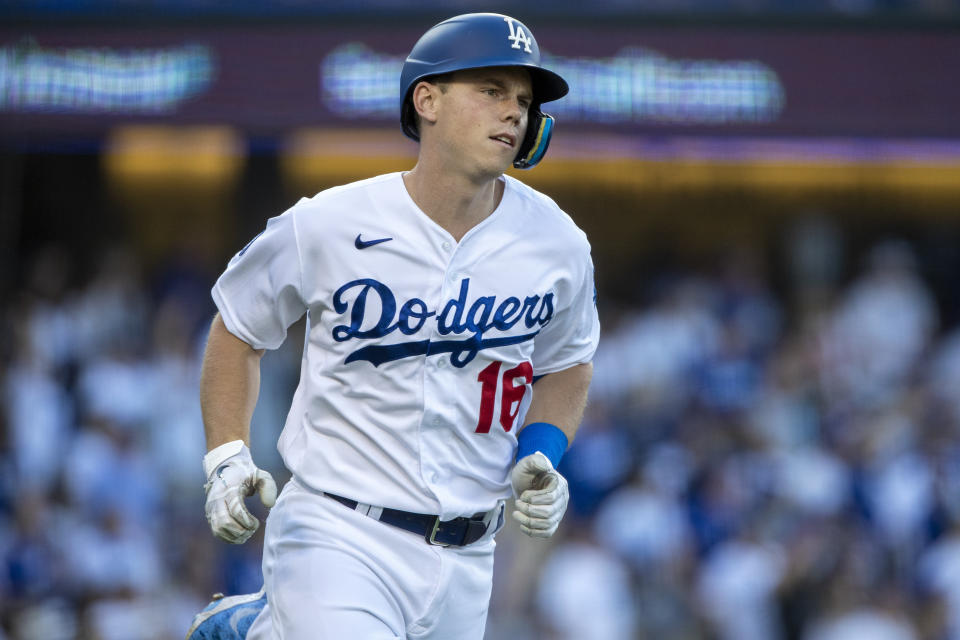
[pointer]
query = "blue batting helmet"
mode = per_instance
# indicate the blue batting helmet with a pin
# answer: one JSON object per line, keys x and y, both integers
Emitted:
{"x": 477, "y": 40}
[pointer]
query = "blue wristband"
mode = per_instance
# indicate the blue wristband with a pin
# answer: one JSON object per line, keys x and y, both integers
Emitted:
{"x": 545, "y": 438}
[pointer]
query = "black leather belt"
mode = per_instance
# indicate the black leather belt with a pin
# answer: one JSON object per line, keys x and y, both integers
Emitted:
{"x": 458, "y": 532}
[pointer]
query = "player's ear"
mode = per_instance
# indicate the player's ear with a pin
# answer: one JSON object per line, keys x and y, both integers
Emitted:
{"x": 425, "y": 99}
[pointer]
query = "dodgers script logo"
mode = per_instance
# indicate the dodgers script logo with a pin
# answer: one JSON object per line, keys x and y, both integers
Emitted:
{"x": 455, "y": 319}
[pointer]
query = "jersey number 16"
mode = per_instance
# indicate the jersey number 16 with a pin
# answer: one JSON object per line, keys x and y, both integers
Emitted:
{"x": 515, "y": 383}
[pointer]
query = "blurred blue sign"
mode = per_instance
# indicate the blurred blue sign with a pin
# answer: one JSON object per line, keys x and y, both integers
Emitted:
{"x": 636, "y": 85}
{"x": 102, "y": 80}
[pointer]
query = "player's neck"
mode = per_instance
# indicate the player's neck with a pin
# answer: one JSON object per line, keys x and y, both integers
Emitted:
{"x": 454, "y": 202}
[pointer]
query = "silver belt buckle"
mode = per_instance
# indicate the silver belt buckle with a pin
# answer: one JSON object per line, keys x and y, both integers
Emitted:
{"x": 432, "y": 534}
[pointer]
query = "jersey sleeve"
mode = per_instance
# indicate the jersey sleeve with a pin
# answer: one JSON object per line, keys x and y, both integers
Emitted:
{"x": 571, "y": 337}
{"x": 261, "y": 292}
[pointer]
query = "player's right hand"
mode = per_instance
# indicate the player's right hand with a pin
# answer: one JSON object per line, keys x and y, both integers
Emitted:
{"x": 541, "y": 495}
{"x": 231, "y": 477}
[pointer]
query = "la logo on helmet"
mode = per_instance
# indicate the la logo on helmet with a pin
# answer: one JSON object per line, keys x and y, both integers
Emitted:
{"x": 517, "y": 35}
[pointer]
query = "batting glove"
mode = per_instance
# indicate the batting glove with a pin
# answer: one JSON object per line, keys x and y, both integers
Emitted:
{"x": 541, "y": 495}
{"x": 231, "y": 477}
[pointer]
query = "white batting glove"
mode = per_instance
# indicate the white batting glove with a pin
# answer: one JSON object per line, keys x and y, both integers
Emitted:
{"x": 231, "y": 477}
{"x": 541, "y": 495}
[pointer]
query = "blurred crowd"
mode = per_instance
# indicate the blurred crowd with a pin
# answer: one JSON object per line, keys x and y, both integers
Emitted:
{"x": 102, "y": 533}
{"x": 754, "y": 465}
{"x": 765, "y": 467}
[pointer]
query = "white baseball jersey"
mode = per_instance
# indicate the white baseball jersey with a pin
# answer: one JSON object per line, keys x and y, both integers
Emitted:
{"x": 421, "y": 352}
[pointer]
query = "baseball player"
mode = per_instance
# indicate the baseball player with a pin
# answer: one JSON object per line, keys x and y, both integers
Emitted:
{"x": 450, "y": 328}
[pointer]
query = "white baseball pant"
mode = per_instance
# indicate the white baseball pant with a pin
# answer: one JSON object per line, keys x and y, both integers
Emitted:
{"x": 333, "y": 573}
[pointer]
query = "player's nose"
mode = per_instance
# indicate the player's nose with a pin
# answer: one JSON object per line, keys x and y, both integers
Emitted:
{"x": 514, "y": 111}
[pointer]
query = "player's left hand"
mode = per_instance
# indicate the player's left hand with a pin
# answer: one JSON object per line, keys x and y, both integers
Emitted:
{"x": 541, "y": 495}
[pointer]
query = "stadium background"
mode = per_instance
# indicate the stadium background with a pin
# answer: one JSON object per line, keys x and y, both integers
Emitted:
{"x": 772, "y": 190}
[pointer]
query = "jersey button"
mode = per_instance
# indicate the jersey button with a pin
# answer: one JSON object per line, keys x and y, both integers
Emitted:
{"x": 446, "y": 245}
{"x": 434, "y": 477}
{"x": 442, "y": 363}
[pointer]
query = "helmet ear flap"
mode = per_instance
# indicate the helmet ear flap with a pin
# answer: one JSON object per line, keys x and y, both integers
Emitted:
{"x": 537, "y": 139}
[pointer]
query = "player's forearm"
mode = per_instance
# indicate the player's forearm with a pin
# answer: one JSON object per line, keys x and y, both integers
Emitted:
{"x": 229, "y": 385}
{"x": 560, "y": 399}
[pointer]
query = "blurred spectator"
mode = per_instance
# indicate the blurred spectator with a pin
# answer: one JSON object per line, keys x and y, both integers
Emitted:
{"x": 111, "y": 556}
{"x": 45, "y": 311}
{"x": 31, "y": 565}
{"x": 175, "y": 427}
{"x": 737, "y": 587}
{"x": 645, "y": 527}
{"x": 111, "y": 310}
{"x": 939, "y": 571}
{"x": 862, "y": 623}
{"x": 648, "y": 360}
{"x": 584, "y": 593}
{"x": 899, "y": 490}
{"x": 944, "y": 373}
{"x": 39, "y": 418}
{"x": 881, "y": 327}
{"x": 108, "y": 471}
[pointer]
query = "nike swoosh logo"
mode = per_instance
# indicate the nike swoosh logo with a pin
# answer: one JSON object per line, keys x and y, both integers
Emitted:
{"x": 363, "y": 244}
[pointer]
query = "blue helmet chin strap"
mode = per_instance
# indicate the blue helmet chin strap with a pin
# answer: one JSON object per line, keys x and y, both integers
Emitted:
{"x": 536, "y": 141}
